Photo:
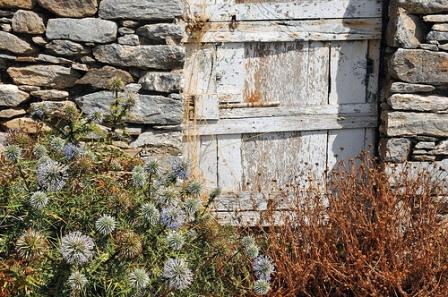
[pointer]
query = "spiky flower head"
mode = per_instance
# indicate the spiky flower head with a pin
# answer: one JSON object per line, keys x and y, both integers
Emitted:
{"x": 139, "y": 177}
{"x": 51, "y": 175}
{"x": 150, "y": 214}
{"x": 168, "y": 196}
{"x": 39, "y": 151}
{"x": 77, "y": 281}
{"x": 152, "y": 167}
{"x": 173, "y": 217}
{"x": 139, "y": 279}
{"x": 105, "y": 225}
{"x": 248, "y": 241}
{"x": 57, "y": 144}
{"x": 261, "y": 287}
{"x": 31, "y": 245}
{"x": 263, "y": 267}
{"x": 71, "y": 151}
{"x": 191, "y": 207}
{"x": 175, "y": 240}
{"x": 129, "y": 244}
{"x": 77, "y": 248}
{"x": 252, "y": 251}
{"x": 38, "y": 112}
{"x": 39, "y": 200}
{"x": 13, "y": 153}
{"x": 194, "y": 188}
{"x": 177, "y": 274}
{"x": 179, "y": 170}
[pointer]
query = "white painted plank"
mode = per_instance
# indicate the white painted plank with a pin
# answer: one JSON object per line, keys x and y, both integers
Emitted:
{"x": 348, "y": 72}
{"x": 294, "y": 10}
{"x": 208, "y": 161}
{"x": 344, "y": 145}
{"x": 230, "y": 72}
{"x": 277, "y": 31}
{"x": 318, "y": 73}
{"x": 285, "y": 124}
{"x": 229, "y": 163}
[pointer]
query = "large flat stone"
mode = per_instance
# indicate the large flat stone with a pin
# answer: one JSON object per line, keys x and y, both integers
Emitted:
{"x": 420, "y": 66}
{"x": 11, "y": 113}
{"x": 101, "y": 78}
{"x": 436, "y": 18}
{"x": 160, "y": 142}
{"x": 150, "y": 110}
{"x": 414, "y": 123}
{"x": 395, "y": 149}
{"x": 25, "y": 4}
{"x": 44, "y": 76}
{"x": 424, "y": 6}
{"x": 401, "y": 87}
{"x": 11, "y": 96}
{"x": 12, "y": 43}
{"x": 166, "y": 82}
{"x": 26, "y": 125}
{"x": 146, "y": 56}
{"x": 161, "y": 32}
{"x": 418, "y": 102}
{"x": 437, "y": 36}
{"x": 71, "y": 8}
{"x": 149, "y": 10}
{"x": 53, "y": 108}
{"x": 84, "y": 30}
{"x": 50, "y": 94}
{"x": 65, "y": 48}
{"x": 27, "y": 22}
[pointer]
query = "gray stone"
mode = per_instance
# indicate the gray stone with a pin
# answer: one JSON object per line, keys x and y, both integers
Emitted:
{"x": 420, "y": 152}
{"x": 161, "y": 142}
{"x": 133, "y": 88}
{"x": 80, "y": 67}
{"x": 53, "y": 59}
{"x": 418, "y": 102}
{"x": 71, "y": 8}
{"x": 11, "y": 96}
{"x": 149, "y": 10}
{"x": 130, "y": 39}
{"x": 6, "y": 13}
{"x": 65, "y": 48}
{"x": 6, "y": 27}
{"x": 88, "y": 60}
{"x": 426, "y": 145}
{"x": 436, "y": 18}
{"x": 420, "y": 66}
{"x": 27, "y": 22}
{"x": 424, "y": 6}
{"x": 429, "y": 47}
{"x": 440, "y": 27}
{"x": 5, "y": 20}
{"x": 14, "y": 44}
{"x": 130, "y": 23}
{"x": 161, "y": 32}
{"x": 39, "y": 40}
{"x": 125, "y": 30}
{"x": 102, "y": 78}
{"x": 29, "y": 89}
{"x": 150, "y": 110}
{"x": 424, "y": 158}
{"x": 401, "y": 87}
{"x": 11, "y": 113}
{"x": 26, "y": 4}
{"x": 395, "y": 149}
{"x": 44, "y": 76}
{"x": 404, "y": 30}
{"x": 84, "y": 30}
{"x": 441, "y": 149}
{"x": 166, "y": 82}
{"x": 145, "y": 56}
{"x": 437, "y": 35}
{"x": 50, "y": 94}
{"x": 414, "y": 123}
{"x": 443, "y": 47}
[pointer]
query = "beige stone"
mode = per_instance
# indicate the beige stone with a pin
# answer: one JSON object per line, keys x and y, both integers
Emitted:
{"x": 101, "y": 78}
{"x": 414, "y": 123}
{"x": 26, "y": 125}
{"x": 71, "y": 8}
{"x": 11, "y": 113}
{"x": 26, "y": 4}
{"x": 418, "y": 102}
{"x": 12, "y": 43}
{"x": 44, "y": 76}
{"x": 27, "y": 22}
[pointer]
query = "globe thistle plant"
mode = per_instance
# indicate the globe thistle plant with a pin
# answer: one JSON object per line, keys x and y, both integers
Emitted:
{"x": 51, "y": 175}
{"x": 77, "y": 248}
{"x": 57, "y": 144}
{"x": 177, "y": 274}
{"x": 263, "y": 268}
{"x": 139, "y": 177}
{"x": 105, "y": 225}
{"x": 31, "y": 245}
{"x": 77, "y": 281}
{"x": 71, "y": 151}
{"x": 173, "y": 217}
{"x": 150, "y": 214}
{"x": 175, "y": 240}
{"x": 38, "y": 112}
{"x": 13, "y": 153}
{"x": 129, "y": 244}
{"x": 40, "y": 151}
{"x": 139, "y": 279}
{"x": 194, "y": 188}
{"x": 152, "y": 167}
{"x": 250, "y": 247}
{"x": 261, "y": 287}
{"x": 191, "y": 207}
{"x": 39, "y": 200}
{"x": 247, "y": 241}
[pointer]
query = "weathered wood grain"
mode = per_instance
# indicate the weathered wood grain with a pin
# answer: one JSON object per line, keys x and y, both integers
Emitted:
{"x": 229, "y": 162}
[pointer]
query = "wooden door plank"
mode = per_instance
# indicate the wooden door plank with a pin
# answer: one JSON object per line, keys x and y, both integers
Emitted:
{"x": 294, "y": 10}
{"x": 344, "y": 145}
{"x": 230, "y": 72}
{"x": 373, "y": 67}
{"x": 318, "y": 73}
{"x": 348, "y": 72}
{"x": 277, "y": 31}
{"x": 229, "y": 163}
{"x": 208, "y": 161}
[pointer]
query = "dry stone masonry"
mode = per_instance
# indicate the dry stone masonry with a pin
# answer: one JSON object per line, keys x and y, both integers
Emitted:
{"x": 66, "y": 52}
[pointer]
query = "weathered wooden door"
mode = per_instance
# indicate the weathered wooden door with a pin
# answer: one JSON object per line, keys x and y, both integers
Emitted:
{"x": 279, "y": 90}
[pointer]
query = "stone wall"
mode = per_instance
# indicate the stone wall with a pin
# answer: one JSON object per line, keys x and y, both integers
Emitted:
{"x": 415, "y": 103}
{"x": 65, "y": 52}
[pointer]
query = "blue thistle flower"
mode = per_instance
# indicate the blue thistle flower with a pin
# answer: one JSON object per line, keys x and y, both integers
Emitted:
{"x": 105, "y": 225}
{"x": 179, "y": 169}
{"x": 150, "y": 214}
{"x": 40, "y": 151}
{"x": 262, "y": 287}
{"x": 139, "y": 279}
{"x": 263, "y": 267}
{"x": 175, "y": 240}
{"x": 77, "y": 248}
{"x": 71, "y": 151}
{"x": 38, "y": 112}
{"x": 57, "y": 144}
{"x": 77, "y": 281}
{"x": 39, "y": 200}
{"x": 173, "y": 217}
{"x": 51, "y": 175}
{"x": 139, "y": 177}
{"x": 13, "y": 153}
{"x": 177, "y": 274}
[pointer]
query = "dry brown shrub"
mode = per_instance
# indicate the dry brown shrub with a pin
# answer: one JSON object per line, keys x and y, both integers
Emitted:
{"x": 362, "y": 237}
